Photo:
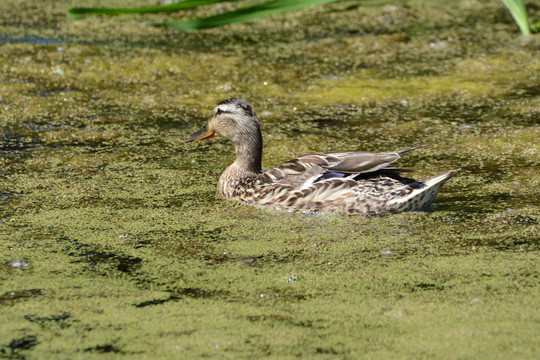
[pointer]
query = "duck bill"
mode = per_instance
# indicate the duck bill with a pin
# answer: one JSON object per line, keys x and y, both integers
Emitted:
{"x": 201, "y": 135}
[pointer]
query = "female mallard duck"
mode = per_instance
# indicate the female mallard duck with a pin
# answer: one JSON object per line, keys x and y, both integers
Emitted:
{"x": 345, "y": 182}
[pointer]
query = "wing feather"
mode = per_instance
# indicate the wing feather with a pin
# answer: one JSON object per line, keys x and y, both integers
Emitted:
{"x": 356, "y": 163}
{"x": 310, "y": 169}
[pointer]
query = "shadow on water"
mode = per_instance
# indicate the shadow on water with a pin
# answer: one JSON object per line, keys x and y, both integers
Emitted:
{"x": 259, "y": 260}
{"x": 46, "y": 322}
{"x": 13, "y": 349}
{"x": 19, "y": 294}
{"x": 107, "y": 348}
{"x": 159, "y": 43}
{"x": 182, "y": 293}
{"x": 4, "y": 196}
{"x": 48, "y": 93}
{"x": 524, "y": 91}
{"x": 93, "y": 256}
{"x": 29, "y": 40}
{"x": 11, "y": 144}
{"x": 17, "y": 140}
{"x": 482, "y": 203}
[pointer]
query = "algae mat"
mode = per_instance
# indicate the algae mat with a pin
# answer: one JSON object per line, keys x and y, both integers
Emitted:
{"x": 113, "y": 244}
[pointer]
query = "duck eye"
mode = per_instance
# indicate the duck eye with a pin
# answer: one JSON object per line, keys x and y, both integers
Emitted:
{"x": 219, "y": 112}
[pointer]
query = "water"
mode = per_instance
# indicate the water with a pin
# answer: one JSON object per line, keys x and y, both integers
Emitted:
{"x": 124, "y": 238}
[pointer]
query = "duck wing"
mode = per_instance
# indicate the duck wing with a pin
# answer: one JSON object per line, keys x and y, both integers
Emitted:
{"x": 355, "y": 182}
{"x": 304, "y": 181}
{"x": 362, "y": 162}
{"x": 304, "y": 171}
{"x": 319, "y": 182}
{"x": 358, "y": 162}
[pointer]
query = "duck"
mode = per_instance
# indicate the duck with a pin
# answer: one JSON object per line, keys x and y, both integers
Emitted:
{"x": 356, "y": 183}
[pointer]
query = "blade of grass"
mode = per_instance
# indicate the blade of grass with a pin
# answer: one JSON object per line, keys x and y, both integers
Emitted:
{"x": 78, "y": 13}
{"x": 245, "y": 14}
{"x": 519, "y": 13}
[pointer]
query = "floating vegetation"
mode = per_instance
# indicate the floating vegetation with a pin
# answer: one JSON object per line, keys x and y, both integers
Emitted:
{"x": 113, "y": 243}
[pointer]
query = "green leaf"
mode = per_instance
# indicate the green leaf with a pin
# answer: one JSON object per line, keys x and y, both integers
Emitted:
{"x": 78, "y": 13}
{"x": 245, "y": 14}
{"x": 519, "y": 13}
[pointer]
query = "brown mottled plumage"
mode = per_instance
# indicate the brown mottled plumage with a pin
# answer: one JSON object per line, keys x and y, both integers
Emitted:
{"x": 345, "y": 182}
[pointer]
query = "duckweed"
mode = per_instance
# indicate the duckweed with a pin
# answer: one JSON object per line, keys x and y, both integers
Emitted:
{"x": 123, "y": 250}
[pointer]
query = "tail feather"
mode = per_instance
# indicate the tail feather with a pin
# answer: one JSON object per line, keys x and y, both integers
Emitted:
{"x": 441, "y": 178}
{"x": 401, "y": 151}
{"x": 422, "y": 197}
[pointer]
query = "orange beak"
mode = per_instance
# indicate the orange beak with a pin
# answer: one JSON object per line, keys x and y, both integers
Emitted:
{"x": 201, "y": 135}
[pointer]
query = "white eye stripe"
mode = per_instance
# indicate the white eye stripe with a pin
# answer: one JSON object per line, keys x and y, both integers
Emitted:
{"x": 221, "y": 111}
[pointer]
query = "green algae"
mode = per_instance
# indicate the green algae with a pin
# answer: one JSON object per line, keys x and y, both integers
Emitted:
{"x": 130, "y": 254}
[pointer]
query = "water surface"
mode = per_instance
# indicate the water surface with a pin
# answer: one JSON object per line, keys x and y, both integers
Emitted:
{"x": 129, "y": 254}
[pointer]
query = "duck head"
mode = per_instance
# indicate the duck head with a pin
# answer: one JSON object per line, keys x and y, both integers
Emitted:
{"x": 234, "y": 119}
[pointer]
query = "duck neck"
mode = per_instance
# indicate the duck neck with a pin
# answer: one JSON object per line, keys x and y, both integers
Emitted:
{"x": 249, "y": 154}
